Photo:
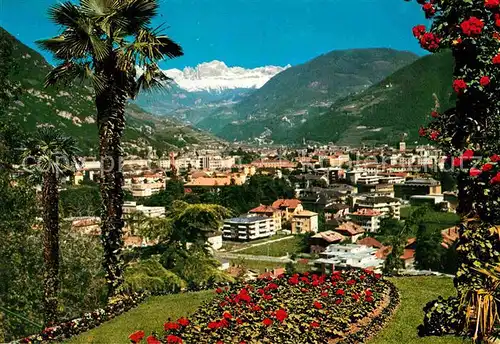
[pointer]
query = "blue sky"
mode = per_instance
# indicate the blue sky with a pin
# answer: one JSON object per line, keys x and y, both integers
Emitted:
{"x": 252, "y": 33}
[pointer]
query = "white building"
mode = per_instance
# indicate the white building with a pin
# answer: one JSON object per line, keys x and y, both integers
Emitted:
{"x": 387, "y": 205}
{"x": 248, "y": 228}
{"x": 132, "y": 207}
{"x": 367, "y": 218}
{"x": 346, "y": 256}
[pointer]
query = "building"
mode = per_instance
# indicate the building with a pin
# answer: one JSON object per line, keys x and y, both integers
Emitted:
{"x": 132, "y": 207}
{"x": 304, "y": 222}
{"x": 269, "y": 211}
{"x": 288, "y": 207}
{"x": 145, "y": 189}
{"x": 370, "y": 242}
{"x": 271, "y": 163}
{"x": 387, "y": 205}
{"x": 347, "y": 256}
{"x": 248, "y": 228}
{"x": 350, "y": 230}
{"x": 415, "y": 187}
{"x": 336, "y": 211}
{"x": 367, "y": 218}
{"x": 320, "y": 241}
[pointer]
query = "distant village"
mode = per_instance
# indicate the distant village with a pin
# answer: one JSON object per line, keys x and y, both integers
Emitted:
{"x": 353, "y": 190}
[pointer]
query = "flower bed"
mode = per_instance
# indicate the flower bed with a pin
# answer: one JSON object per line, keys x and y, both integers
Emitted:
{"x": 306, "y": 308}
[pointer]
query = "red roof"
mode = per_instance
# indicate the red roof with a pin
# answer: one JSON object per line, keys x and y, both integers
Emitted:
{"x": 367, "y": 212}
{"x": 273, "y": 274}
{"x": 370, "y": 242}
{"x": 350, "y": 229}
{"x": 286, "y": 203}
{"x": 329, "y": 236}
{"x": 264, "y": 209}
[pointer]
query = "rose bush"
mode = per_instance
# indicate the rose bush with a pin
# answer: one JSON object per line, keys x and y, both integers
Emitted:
{"x": 299, "y": 308}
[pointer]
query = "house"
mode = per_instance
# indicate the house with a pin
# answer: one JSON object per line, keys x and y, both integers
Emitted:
{"x": 304, "y": 222}
{"x": 320, "y": 241}
{"x": 145, "y": 189}
{"x": 367, "y": 218}
{"x": 335, "y": 211}
{"x": 288, "y": 207}
{"x": 408, "y": 256}
{"x": 370, "y": 242}
{"x": 132, "y": 207}
{"x": 248, "y": 228}
{"x": 350, "y": 230}
{"x": 272, "y": 274}
{"x": 347, "y": 256}
{"x": 240, "y": 272}
{"x": 415, "y": 187}
{"x": 269, "y": 211}
{"x": 387, "y": 205}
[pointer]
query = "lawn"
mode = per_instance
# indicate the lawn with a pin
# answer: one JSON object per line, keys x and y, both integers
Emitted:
{"x": 150, "y": 316}
{"x": 275, "y": 249}
{"x": 415, "y": 293}
{"x": 235, "y": 245}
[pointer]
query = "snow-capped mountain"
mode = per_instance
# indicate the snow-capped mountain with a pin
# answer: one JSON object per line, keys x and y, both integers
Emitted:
{"x": 217, "y": 76}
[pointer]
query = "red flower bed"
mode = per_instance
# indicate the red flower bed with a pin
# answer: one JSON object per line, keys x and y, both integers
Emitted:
{"x": 306, "y": 308}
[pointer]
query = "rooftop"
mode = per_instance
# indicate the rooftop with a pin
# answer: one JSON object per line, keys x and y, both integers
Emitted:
{"x": 286, "y": 203}
{"x": 329, "y": 236}
{"x": 247, "y": 219}
{"x": 305, "y": 213}
{"x": 264, "y": 209}
{"x": 367, "y": 212}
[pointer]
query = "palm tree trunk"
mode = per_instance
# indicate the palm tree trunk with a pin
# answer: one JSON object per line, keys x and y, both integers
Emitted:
{"x": 111, "y": 122}
{"x": 50, "y": 200}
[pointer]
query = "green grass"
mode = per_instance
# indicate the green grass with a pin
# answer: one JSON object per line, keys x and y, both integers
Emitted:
{"x": 150, "y": 316}
{"x": 415, "y": 293}
{"x": 235, "y": 245}
{"x": 275, "y": 249}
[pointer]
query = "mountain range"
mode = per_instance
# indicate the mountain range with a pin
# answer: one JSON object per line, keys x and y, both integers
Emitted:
{"x": 359, "y": 96}
{"x": 72, "y": 110}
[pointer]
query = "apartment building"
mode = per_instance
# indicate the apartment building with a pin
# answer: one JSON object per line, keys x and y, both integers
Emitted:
{"x": 369, "y": 219}
{"x": 304, "y": 222}
{"x": 248, "y": 228}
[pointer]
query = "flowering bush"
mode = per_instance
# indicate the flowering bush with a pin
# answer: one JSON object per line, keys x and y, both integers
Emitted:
{"x": 305, "y": 308}
{"x": 470, "y": 136}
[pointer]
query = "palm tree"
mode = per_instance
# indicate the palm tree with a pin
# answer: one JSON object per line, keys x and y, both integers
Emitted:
{"x": 112, "y": 44}
{"x": 50, "y": 155}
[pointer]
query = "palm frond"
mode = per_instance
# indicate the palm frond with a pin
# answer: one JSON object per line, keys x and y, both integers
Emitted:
{"x": 132, "y": 15}
{"x": 151, "y": 79}
{"x": 68, "y": 72}
{"x": 148, "y": 46}
{"x": 65, "y": 14}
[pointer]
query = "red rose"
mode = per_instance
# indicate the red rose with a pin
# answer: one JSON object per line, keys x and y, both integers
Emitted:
{"x": 267, "y": 297}
{"x": 434, "y": 135}
{"x": 152, "y": 340}
{"x": 496, "y": 179}
{"x": 472, "y": 26}
{"x": 468, "y": 154}
{"x": 369, "y": 299}
{"x": 497, "y": 19}
{"x": 171, "y": 326}
{"x": 267, "y": 322}
{"x": 338, "y": 301}
{"x": 324, "y": 294}
{"x": 183, "y": 321}
{"x": 487, "y": 167}
{"x": 218, "y": 290}
{"x": 430, "y": 41}
{"x": 136, "y": 337}
{"x": 256, "y": 308}
{"x": 355, "y": 296}
{"x": 435, "y": 114}
{"x": 429, "y": 10}
{"x": 171, "y": 339}
{"x": 496, "y": 59}
{"x": 457, "y": 162}
{"x": 212, "y": 325}
{"x": 491, "y": 4}
{"x": 227, "y": 315}
{"x": 495, "y": 158}
{"x": 340, "y": 292}
{"x": 317, "y": 305}
{"x": 314, "y": 324}
{"x": 459, "y": 85}
{"x": 422, "y": 132}
{"x": 281, "y": 314}
{"x": 484, "y": 81}
{"x": 351, "y": 282}
{"x": 368, "y": 292}
{"x": 474, "y": 172}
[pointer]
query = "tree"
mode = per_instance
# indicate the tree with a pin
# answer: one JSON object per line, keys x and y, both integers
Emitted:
{"x": 174, "y": 190}
{"x": 428, "y": 251}
{"x": 108, "y": 43}
{"x": 469, "y": 134}
{"x": 51, "y": 155}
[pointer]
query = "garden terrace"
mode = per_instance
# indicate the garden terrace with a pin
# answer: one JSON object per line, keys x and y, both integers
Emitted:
{"x": 302, "y": 308}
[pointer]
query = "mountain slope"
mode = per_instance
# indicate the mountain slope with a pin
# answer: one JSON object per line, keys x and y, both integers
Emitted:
{"x": 397, "y": 105}
{"x": 296, "y": 94}
{"x": 72, "y": 109}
